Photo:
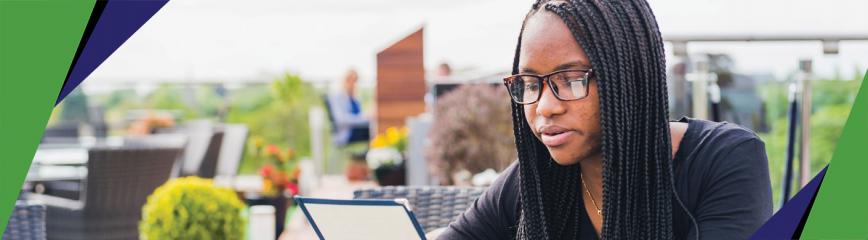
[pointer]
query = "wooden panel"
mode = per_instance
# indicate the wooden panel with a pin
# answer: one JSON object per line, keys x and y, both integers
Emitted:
{"x": 400, "y": 82}
{"x": 397, "y": 109}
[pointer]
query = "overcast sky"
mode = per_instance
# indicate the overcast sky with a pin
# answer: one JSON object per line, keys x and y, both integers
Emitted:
{"x": 238, "y": 41}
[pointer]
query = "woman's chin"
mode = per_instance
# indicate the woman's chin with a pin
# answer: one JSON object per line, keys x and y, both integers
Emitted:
{"x": 563, "y": 160}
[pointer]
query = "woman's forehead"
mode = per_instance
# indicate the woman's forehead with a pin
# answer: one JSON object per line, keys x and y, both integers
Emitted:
{"x": 547, "y": 43}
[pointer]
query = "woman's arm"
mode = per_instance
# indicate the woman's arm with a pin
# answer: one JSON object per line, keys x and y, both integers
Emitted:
{"x": 492, "y": 214}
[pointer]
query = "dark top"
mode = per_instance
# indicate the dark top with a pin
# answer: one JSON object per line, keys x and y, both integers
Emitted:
{"x": 355, "y": 109}
{"x": 721, "y": 174}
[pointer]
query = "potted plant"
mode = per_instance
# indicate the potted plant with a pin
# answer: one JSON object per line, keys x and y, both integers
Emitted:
{"x": 386, "y": 157}
{"x": 192, "y": 208}
{"x": 279, "y": 172}
{"x": 357, "y": 170}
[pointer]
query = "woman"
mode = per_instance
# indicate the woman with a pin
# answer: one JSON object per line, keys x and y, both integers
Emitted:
{"x": 597, "y": 156}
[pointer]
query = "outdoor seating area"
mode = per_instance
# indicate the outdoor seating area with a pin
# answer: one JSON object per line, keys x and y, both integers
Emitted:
{"x": 204, "y": 154}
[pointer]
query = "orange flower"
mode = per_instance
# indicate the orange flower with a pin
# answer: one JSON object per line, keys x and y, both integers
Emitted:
{"x": 272, "y": 149}
{"x": 279, "y": 179}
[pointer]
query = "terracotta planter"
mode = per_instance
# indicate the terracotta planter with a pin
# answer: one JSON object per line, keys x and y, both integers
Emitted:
{"x": 357, "y": 171}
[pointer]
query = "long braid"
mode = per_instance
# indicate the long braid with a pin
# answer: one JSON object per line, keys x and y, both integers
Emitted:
{"x": 623, "y": 43}
{"x": 530, "y": 197}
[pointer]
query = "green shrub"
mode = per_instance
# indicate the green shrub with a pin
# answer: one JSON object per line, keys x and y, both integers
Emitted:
{"x": 192, "y": 208}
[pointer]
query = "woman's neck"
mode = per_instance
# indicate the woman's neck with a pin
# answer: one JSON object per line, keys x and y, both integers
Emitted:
{"x": 592, "y": 167}
{"x": 592, "y": 173}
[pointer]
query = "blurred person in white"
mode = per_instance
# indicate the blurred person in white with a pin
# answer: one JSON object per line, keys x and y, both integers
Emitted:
{"x": 350, "y": 124}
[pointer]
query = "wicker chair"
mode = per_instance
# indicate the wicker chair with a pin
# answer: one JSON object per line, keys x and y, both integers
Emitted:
{"x": 26, "y": 222}
{"x": 232, "y": 149}
{"x": 434, "y": 206}
{"x": 162, "y": 140}
{"x": 63, "y": 133}
{"x": 208, "y": 166}
{"x": 117, "y": 186}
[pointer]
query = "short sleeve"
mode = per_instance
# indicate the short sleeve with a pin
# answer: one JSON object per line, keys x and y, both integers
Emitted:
{"x": 492, "y": 215}
{"x": 736, "y": 194}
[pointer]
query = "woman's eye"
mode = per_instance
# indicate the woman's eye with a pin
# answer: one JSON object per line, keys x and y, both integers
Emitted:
{"x": 532, "y": 86}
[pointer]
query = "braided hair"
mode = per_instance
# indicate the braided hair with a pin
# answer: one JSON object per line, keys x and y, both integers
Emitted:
{"x": 623, "y": 43}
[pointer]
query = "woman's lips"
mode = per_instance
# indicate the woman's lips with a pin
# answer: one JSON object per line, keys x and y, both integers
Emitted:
{"x": 557, "y": 139}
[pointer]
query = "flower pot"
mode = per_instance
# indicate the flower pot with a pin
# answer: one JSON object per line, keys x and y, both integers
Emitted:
{"x": 357, "y": 171}
{"x": 392, "y": 175}
{"x": 280, "y": 204}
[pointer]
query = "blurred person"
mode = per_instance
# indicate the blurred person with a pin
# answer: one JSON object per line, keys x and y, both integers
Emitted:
{"x": 351, "y": 125}
{"x": 442, "y": 75}
{"x": 443, "y": 70}
{"x": 598, "y": 157}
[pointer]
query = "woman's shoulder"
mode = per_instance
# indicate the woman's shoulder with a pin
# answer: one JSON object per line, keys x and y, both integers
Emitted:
{"x": 699, "y": 130}
{"x": 711, "y": 149}
{"x": 714, "y": 139}
{"x": 722, "y": 175}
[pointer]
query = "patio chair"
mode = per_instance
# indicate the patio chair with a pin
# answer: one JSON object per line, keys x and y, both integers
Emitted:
{"x": 199, "y": 134}
{"x": 62, "y": 133}
{"x": 166, "y": 139}
{"x": 357, "y": 134}
{"x": 202, "y": 151}
{"x": 232, "y": 150}
{"x": 118, "y": 183}
{"x": 344, "y": 142}
{"x": 26, "y": 222}
{"x": 434, "y": 206}
{"x": 162, "y": 140}
{"x": 208, "y": 166}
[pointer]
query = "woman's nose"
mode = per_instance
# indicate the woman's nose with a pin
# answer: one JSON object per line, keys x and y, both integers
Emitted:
{"x": 549, "y": 105}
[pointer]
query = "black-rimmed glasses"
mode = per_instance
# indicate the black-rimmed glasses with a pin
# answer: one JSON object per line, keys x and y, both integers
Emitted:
{"x": 527, "y": 88}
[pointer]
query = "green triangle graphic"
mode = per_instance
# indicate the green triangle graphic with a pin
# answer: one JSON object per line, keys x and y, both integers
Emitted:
{"x": 840, "y": 210}
{"x": 38, "y": 40}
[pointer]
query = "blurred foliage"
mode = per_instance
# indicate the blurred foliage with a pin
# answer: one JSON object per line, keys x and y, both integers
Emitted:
{"x": 276, "y": 113}
{"x": 472, "y": 131}
{"x": 831, "y": 102}
{"x": 75, "y": 107}
{"x": 192, "y": 208}
{"x": 191, "y": 101}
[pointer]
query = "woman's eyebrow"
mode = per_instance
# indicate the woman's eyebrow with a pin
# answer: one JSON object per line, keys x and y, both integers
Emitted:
{"x": 578, "y": 64}
{"x": 526, "y": 70}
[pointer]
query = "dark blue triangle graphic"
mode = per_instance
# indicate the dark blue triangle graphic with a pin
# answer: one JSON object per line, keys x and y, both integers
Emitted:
{"x": 787, "y": 223}
{"x": 117, "y": 22}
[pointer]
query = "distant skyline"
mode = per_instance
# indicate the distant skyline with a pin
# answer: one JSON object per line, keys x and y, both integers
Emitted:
{"x": 229, "y": 41}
